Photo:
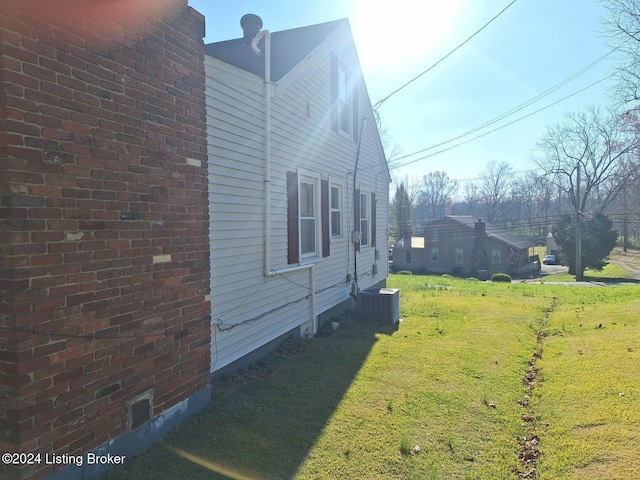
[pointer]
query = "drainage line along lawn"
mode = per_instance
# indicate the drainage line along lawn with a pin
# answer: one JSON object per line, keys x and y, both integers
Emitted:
{"x": 439, "y": 397}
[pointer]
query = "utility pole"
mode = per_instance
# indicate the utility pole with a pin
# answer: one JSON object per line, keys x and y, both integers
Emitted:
{"x": 625, "y": 225}
{"x": 578, "y": 230}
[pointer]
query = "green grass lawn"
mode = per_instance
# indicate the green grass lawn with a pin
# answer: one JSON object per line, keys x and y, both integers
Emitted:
{"x": 441, "y": 396}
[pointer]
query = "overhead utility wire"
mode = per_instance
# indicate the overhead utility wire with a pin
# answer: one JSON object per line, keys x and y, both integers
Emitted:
{"x": 500, "y": 127}
{"x": 380, "y": 102}
{"x": 516, "y": 109}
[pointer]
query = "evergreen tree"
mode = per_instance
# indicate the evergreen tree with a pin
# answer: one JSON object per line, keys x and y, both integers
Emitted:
{"x": 598, "y": 239}
{"x": 401, "y": 214}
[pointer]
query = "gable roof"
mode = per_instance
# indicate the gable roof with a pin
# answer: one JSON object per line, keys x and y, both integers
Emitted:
{"x": 492, "y": 231}
{"x": 288, "y": 49}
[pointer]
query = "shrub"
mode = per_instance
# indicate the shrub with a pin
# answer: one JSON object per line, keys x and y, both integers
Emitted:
{"x": 405, "y": 272}
{"x": 500, "y": 277}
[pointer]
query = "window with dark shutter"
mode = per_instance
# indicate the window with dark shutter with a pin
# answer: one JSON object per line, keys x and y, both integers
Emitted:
{"x": 293, "y": 234}
{"x": 356, "y": 215}
{"x": 324, "y": 215}
{"x": 373, "y": 219}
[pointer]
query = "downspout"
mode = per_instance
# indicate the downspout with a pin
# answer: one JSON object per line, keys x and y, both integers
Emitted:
{"x": 356, "y": 228}
{"x": 268, "y": 272}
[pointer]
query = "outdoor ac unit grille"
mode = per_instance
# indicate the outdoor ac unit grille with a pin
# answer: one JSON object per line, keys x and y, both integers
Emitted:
{"x": 379, "y": 304}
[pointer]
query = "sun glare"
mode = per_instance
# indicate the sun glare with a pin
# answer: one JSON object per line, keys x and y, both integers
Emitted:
{"x": 400, "y": 30}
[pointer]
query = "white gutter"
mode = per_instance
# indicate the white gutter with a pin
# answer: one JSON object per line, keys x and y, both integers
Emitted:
{"x": 267, "y": 180}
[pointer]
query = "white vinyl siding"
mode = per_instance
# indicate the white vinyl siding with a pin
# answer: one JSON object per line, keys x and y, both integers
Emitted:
{"x": 249, "y": 310}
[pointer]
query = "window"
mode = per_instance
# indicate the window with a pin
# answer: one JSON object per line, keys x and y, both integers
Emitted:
{"x": 496, "y": 258}
{"x": 435, "y": 234}
{"x": 344, "y": 112}
{"x": 344, "y": 99}
{"x": 308, "y": 218}
{"x": 336, "y": 210}
{"x": 407, "y": 256}
{"x": 364, "y": 219}
{"x": 458, "y": 236}
{"x": 435, "y": 255}
{"x": 459, "y": 256}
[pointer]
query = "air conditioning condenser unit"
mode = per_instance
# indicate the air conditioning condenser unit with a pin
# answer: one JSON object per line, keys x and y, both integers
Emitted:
{"x": 379, "y": 305}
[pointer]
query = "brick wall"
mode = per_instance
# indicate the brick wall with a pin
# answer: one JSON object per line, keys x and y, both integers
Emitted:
{"x": 104, "y": 243}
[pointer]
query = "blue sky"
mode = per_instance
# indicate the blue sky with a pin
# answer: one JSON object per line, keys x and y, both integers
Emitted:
{"x": 533, "y": 46}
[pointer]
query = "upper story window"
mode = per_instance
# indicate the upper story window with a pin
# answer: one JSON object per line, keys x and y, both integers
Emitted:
{"x": 344, "y": 110}
{"x": 344, "y": 98}
{"x": 458, "y": 236}
{"x": 435, "y": 234}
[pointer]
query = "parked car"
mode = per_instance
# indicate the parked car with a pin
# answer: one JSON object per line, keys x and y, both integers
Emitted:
{"x": 551, "y": 260}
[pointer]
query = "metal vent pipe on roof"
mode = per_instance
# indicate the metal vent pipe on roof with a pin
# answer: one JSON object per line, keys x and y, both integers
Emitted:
{"x": 251, "y": 24}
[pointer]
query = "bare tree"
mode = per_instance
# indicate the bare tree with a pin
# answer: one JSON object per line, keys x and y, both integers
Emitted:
{"x": 589, "y": 157}
{"x": 622, "y": 24}
{"x": 471, "y": 197}
{"x": 437, "y": 191}
{"x": 495, "y": 186}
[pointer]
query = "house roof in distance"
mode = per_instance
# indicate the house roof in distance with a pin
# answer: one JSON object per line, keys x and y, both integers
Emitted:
{"x": 493, "y": 232}
{"x": 288, "y": 49}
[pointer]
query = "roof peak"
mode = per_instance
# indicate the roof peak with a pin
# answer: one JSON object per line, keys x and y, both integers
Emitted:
{"x": 288, "y": 48}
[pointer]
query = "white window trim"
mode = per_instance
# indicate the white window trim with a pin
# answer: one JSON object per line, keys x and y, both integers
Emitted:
{"x": 314, "y": 179}
{"x": 366, "y": 203}
{"x": 348, "y": 101}
{"x": 340, "y": 209}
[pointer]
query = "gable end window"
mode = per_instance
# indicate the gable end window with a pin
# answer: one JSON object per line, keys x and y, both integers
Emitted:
{"x": 344, "y": 99}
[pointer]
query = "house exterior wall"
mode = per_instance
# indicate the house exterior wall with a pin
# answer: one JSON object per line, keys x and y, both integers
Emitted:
{"x": 250, "y": 310}
{"x": 103, "y": 224}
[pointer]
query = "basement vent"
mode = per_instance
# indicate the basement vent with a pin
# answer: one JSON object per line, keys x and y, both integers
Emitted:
{"x": 139, "y": 410}
{"x": 379, "y": 305}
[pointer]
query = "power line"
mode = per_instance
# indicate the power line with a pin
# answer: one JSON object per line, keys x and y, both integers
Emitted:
{"x": 380, "y": 102}
{"x": 500, "y": 127}
{"x": 517, "y": 108}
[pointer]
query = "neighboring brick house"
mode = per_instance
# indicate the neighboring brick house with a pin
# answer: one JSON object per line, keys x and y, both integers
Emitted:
{"x": 104, "y": 273}
{"x": 464, "y": 245}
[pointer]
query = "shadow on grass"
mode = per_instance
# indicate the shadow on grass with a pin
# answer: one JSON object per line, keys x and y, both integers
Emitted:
{"x": 263, "y": 422}
{"x": 595, "y": 278}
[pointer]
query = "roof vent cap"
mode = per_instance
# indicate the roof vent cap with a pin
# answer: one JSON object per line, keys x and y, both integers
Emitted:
{"x": 251, "y": 25}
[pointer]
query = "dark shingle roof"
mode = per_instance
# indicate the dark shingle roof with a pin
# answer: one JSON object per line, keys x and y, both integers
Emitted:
{"x": 494, "y": 232}
{"x": 288, "y": 49}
